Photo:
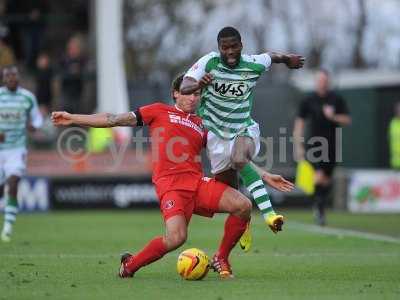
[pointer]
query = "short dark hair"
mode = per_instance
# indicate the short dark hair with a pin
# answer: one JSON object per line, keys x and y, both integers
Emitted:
{"x": 228, "y": 32}
{"x": 8, "y": 67}
{"x": 176, "y": 84}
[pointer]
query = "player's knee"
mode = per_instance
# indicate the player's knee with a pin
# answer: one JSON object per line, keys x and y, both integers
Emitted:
{"x": 239, "y": 161}
{"x": 241, "y": 207}
{"x": 244, "y": 208}
{"x": 176, "y": 239}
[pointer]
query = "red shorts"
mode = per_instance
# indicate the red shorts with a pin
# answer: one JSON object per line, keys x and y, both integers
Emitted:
{"x": 200, "y": 196}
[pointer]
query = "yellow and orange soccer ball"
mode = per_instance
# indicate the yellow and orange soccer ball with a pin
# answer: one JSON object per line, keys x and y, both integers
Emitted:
{"x": 193, "y": 264}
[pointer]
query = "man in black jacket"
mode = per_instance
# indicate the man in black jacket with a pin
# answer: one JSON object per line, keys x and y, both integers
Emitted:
{"x": 327, "y": 112}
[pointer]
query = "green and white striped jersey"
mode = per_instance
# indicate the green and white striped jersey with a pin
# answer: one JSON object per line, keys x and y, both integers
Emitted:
{"x": 226, "y": 103}
{"x": 16, "y": 110}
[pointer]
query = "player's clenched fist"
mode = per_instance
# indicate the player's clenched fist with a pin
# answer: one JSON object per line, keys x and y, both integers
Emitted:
{"x": 295, "y": 61}
{"x": 61, "y": 118}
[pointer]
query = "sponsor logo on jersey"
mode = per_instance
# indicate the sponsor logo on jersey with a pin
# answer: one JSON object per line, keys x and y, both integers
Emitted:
{"x": 173, "y": 118}
{"x": 230, "y": 88}
{"x": 195, "y": 67}
{"x": 11, "y": 116}
{"x": 206, "y": 179}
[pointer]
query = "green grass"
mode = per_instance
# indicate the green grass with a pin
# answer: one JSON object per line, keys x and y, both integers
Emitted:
{"x": 75, "y": 255}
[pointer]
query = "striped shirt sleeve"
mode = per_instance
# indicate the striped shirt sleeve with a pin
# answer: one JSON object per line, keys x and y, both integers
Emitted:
{"x": 198, "y": 70}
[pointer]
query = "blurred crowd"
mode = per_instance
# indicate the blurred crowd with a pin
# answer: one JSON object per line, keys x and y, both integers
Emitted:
{"x": 57, "y": 78}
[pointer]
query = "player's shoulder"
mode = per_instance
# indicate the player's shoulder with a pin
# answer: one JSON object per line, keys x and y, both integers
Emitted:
{"x": 159, "y": 106}
{"x": 211, "y": 55}
{"x": 162, "y": 105}
{"x": 25, "y": 92}
{"x": 310, "y": 97}
{"x": 308, "y": 100}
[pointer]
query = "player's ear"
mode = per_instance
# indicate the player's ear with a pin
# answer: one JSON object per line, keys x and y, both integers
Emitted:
{"x": 175, "y": 95}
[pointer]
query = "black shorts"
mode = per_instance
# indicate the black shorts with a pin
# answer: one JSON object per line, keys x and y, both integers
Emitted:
{"x": 326, "y": 167}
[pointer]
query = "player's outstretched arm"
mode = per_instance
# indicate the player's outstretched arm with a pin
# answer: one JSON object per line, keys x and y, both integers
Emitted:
{"x": 292, "y": 61}
{"x": 102, "y": 120}
{"x": 274, "y": 180}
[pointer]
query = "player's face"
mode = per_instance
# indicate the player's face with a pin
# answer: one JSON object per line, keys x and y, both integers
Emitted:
{"x": 188, "y": 103}
{"x": 10, "y": 78}
{"x": 230, "y": 49}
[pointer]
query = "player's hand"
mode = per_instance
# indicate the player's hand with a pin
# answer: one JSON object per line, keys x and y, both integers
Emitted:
{"x": 61, "y": 118}
{"x": 329, "y": 112}
{"x": 205, "y": 80}
{"x": 295, "y": 61}
{"x": 277, "y": 182}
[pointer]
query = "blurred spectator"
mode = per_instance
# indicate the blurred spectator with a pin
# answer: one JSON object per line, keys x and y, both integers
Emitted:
{"x": 44, "y": 82}
{"x": 72, "y": 72}
{"x": 46, "y": 135}
{"x": 7, "y": 56}
{"x": 30, "y": 26}
{"x": 394, "y": 138}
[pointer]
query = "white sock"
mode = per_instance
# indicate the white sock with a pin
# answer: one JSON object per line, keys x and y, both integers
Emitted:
{"x": 10, "y": 215}
{"x": 7, "y": 228}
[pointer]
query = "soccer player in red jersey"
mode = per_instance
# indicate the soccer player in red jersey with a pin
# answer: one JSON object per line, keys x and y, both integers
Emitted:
{"x": 177, "y": 139}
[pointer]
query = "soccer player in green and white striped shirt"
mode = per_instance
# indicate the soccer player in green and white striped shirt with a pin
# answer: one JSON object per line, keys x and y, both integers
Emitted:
{"x": 18, "y": 110}
{"x": 227, "y": 80}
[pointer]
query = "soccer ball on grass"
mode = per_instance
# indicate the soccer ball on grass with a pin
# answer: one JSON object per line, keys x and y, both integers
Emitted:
{"x": 193, "y": 264}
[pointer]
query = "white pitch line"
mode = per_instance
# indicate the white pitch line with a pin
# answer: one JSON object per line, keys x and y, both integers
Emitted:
{"x": 342, "y": 232}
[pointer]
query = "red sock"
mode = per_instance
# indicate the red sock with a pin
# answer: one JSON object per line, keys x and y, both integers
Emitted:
{"x": 153, "y": 251}
{"x": 234, "y": 228}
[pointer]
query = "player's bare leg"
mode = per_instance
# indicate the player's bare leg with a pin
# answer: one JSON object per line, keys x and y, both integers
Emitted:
{"x": 239, "y": 209}
{"x": 175, "y": 236}
{"x": 242, "y": 153}
{"x": 11, "y": 208}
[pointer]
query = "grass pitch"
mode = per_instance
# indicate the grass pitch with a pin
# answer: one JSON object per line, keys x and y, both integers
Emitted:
{"x": 75, "y": 255}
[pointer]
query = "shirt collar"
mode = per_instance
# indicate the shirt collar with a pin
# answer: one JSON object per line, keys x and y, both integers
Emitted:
{"x": 190, "y": 114}
{"x": 10, "y": 91}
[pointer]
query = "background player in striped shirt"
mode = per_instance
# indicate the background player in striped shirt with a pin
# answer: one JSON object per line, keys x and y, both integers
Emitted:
{"x": 18, "y": 113}
{"x": 227, "y": 80}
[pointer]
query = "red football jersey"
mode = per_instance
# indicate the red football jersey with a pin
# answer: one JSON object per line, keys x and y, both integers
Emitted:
{"x": 176, "y": 140}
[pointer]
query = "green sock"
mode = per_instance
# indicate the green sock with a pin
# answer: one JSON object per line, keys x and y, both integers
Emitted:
{"x": 10, "y": 214}
{"x": 256, "y": 188}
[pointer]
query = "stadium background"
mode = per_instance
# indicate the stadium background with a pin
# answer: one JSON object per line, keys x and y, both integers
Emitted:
{"x": 128, "y": 51}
